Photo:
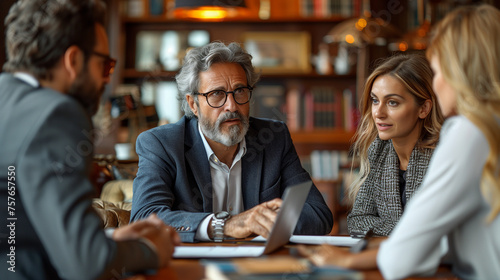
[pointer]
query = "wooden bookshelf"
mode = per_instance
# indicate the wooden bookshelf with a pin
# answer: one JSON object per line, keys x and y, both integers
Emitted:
{"x": 229, "y": 30}
{"x": 250, "y": 20}
{"x": 307, "y": 141}
{"x": 132, "y": 73}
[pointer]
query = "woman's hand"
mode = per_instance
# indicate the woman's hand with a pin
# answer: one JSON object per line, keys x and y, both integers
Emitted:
{"x": 326, "y": 255}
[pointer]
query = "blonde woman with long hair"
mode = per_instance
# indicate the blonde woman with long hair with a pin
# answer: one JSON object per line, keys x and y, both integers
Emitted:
{"x": 458, "y": 204}
{"x": 398, "y": 132}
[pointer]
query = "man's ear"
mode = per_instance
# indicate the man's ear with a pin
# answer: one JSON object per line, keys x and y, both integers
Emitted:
{"x": 192, "y": 104}
{"x": 73, "y": 62}
{"x": 425, "y": 109}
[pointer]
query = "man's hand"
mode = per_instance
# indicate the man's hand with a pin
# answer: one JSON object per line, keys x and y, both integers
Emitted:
{"x": 163, "y": 237}
{"x": 258, "y": 220}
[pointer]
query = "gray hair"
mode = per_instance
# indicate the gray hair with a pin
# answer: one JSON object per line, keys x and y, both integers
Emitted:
{"x": 201, "y": 58}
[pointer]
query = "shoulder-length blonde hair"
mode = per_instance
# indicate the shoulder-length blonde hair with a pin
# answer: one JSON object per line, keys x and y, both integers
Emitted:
{"x": 414, "y": 73}
{"x": 466, "y": 45}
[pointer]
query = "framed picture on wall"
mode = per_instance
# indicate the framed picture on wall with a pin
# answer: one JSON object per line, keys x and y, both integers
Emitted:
{"x": 279, "y": 52}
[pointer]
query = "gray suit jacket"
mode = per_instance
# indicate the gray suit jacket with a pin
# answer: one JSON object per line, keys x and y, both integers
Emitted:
{"x": 46, "y": 137}
{"x": 378, "y": 202}
{"x": 174, "y": 178}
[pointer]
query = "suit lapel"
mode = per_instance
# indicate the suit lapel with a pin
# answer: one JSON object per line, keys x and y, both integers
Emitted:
{"x": 251, "y": 171}
{"x": 392, "y": 174}
{"x": 416, "y": 170}
{"x": 196, "y": 157}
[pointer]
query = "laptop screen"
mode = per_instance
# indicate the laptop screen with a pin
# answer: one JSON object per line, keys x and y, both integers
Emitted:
{"x": 294, "y": 198}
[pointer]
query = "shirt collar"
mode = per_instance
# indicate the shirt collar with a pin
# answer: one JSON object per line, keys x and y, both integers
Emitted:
{"x": 28, "y": 78}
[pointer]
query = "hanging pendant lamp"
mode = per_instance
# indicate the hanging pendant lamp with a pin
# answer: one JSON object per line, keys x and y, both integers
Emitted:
{"x": 359, "y": 33}
{"x": 207, "y": 9}
{"x": 418, "y": 38}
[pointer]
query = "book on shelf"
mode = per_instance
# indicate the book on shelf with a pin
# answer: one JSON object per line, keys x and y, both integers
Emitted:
{"x": 307, "y": 111}
{"x": 345, "y": 8}
{"x": 156, "y": 7}
{"x": 307, "y": 8}
{"x": 332, "y": 172}
{"x": 325, "y": 165}
{"x": 135, "y": 8}
{"x": 293, "y": 103}
{"x": 327, "y": 108}
{"x": 328, "y": 8}
{"x": 316, "y": 169}
{"x": 350, "y": 110}
{"x": 322, "y": 8}
{"x": 320, "y": 108}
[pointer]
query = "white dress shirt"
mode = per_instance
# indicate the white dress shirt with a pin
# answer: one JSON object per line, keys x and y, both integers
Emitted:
{"x": 28, "y": 78}
{"x": 449, "y": 203}
{"x": 226, "y": 185}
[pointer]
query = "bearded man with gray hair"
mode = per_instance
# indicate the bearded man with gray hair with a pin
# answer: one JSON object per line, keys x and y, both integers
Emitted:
{"x": 218, "y": 172}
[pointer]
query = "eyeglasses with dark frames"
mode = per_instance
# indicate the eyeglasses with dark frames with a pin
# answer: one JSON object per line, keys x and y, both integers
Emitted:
{"x": 109, "y": 64}
{"x": 217, "y": 98}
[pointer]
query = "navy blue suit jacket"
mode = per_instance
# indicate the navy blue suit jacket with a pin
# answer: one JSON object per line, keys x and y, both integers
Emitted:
{"x": 174, "y": 178}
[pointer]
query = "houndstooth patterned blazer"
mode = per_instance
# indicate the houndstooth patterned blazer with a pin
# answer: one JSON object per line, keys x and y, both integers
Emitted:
{"x": 378, "y": 203}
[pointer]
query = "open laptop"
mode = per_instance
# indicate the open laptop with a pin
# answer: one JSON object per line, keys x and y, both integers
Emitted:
{"x": 294, "y": 198}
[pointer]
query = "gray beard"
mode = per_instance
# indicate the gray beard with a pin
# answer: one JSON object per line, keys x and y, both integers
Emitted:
{"x": 214, "y": 132}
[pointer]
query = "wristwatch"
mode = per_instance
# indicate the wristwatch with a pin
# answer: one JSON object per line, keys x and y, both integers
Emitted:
{"x": 218, "y": 222}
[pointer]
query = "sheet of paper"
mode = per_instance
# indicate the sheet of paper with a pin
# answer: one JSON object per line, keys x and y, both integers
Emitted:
{"x": 217, "y": 251}
{"x": 345, "y": 241}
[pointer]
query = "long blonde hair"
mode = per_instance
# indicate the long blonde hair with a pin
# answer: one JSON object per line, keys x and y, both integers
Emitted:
{"x": 466, "y": 44}
{"x": 412, "y": 71}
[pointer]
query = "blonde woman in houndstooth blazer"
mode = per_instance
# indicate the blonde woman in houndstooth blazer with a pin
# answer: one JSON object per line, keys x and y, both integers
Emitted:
{"x": 398, "y": 132}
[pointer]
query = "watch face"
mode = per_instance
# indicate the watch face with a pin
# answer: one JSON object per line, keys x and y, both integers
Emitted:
{"x": 222, "y": 215}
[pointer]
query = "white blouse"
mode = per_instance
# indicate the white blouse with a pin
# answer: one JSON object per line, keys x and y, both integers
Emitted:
{"x": 449, "y": 203}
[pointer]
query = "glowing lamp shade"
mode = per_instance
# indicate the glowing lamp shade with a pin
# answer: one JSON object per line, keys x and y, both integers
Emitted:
{"x": 206, "y": 9}
{"x": 360, "y": 31}
{"x": 201, "y": 3}
{"x": 416, "y": 39}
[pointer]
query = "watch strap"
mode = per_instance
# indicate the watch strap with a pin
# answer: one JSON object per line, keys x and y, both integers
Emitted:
{"x": 218, "y": 229}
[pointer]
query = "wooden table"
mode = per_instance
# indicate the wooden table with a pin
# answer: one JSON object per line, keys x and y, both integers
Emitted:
{"x": 191, "y": 269}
